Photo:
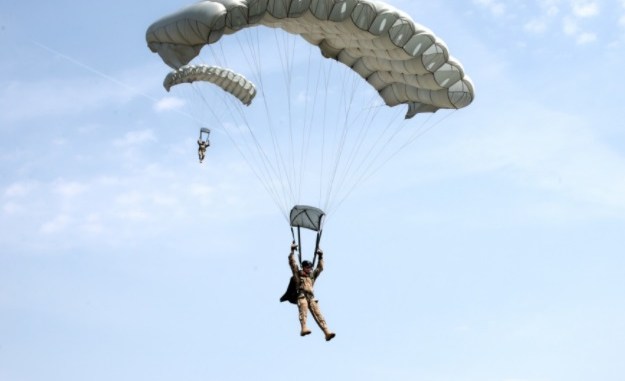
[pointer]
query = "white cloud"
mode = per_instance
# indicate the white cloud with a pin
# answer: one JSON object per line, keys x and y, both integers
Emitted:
{"x": 161, "y": 200}
{"x": 204, "y": 194}
{"x": 12, "y": 208}
{"x": 495, "y": 7}
{"x": 550, "y": 152}
{"x": 585, "y": 8}
{"x": 19, "y": 189}
{"x": 550, "y": 7}
{"x": 168, "y": 104}
{"x": 303, "y": 97}
{"x": 586, "y": 37}
{"x": 536, "y": 26}
{"x": 135, "y": 137}
{"x": 569, "y": 26}
{"x": 69, "y": 188}
{"x": 573, "y": 15}
{"x": 57, "y": 224}
{"x": 549, "y": 167}
{"x": 55, "y": 97}
{"x": 133, "y": 214}
{"x": 93, "y": 224}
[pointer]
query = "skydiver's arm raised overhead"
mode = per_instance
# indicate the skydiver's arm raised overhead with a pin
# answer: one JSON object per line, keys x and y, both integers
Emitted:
{"x": 320, "y": 264}
{"x": 293, "y": 262}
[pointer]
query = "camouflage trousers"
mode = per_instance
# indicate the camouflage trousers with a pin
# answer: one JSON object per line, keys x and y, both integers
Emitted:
{"x": 306, "y": 302}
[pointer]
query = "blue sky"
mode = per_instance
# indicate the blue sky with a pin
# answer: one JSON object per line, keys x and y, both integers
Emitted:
{"x": 490, "y": 249}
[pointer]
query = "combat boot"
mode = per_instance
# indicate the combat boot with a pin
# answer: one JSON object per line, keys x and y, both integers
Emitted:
{"x": 329, "y": 335}
{"x": 305, "y": 331}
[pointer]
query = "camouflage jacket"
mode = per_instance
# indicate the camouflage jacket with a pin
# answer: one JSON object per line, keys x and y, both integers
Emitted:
{"x": 305, "y": 283}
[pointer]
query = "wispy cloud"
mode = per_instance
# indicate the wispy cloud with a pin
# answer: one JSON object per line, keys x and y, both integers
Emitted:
{"x": 621, "y": 19}
{"x": 19, "y": 189}
{"x": 570, "y": 27}
{"x": 548, "y": 152}
{"x": 133, "y": 138}
{"x": 55, "y": 225}
{"x": 585, "y": 8}
{"x": 495, "y": 7}
{"x": 69, "y": 189}
{"x": 547, "y": 11}
{"x": 536, "y": 26}
{"x": 28, "y": 100}
{"x": 574, "y": 17}
{"x": 168, "y": 104}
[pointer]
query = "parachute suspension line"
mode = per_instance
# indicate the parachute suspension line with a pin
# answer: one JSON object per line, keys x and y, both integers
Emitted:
{"x": 372, "y": 156}
{"x": 349, "y": 175}
{"x": 357, "y": 150}
{"x": 320, "y": 108}
{"x": 417, "y": 134}
{"x": 420, "y": 131}
{"x": 272, "y": 170}
{"x": 347, "y": 102}
{"x": 324, "y": 76}
{"x": 254, "y": 60}
{"x": 307, "y": 124}
{"x": 314, "y": 85}
{"x": 318, "y": 240}
{"x": 259, "y": 176}
{"x": 287, "y": 46}
{"x": 265, "y": 172}
{"x": 279, "y": 163}
{"x": 288, "y": 77}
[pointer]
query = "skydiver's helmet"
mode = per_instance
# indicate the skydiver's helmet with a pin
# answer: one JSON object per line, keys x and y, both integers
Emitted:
{"x": 307, "y": 264}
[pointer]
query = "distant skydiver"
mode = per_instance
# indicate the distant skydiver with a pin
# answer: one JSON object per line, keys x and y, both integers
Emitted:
{"x": 301, "y": 289}
{"x": 201, "y": 150}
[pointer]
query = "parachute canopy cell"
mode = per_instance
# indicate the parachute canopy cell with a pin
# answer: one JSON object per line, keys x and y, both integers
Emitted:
{"x": 229, "y": 81}
{"x": 308, "y": 217}
{"x": 404, "y": 61}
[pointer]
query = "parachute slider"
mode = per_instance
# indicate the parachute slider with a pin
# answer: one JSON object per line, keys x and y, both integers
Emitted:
{"x": 309, "y": 217}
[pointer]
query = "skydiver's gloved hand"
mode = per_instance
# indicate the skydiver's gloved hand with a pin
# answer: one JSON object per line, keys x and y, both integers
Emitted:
{"x": 320, "y": 253}
{"x": 293, "y": 247}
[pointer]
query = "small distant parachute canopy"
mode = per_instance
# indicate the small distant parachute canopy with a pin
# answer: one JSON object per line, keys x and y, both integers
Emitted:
{"x": 229, "y": 81}
{"x": 309, "y": 217}
{"x": 205, "y": 134}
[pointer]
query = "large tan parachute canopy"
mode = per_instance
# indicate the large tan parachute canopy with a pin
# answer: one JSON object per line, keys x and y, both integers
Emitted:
{"x": 404, "y": 61}
{"x": 229, "y": 81}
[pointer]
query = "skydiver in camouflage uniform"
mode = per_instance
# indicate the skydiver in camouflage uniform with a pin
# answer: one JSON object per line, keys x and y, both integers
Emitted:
{"x": 201, "y": 150}
{"x": 305, "y": 279}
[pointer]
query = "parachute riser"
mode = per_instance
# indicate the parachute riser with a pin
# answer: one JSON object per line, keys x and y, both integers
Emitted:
{"x": 205, "y": 135}
{"x": 298, "y": 242}
{"x": 317, "y": 246}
